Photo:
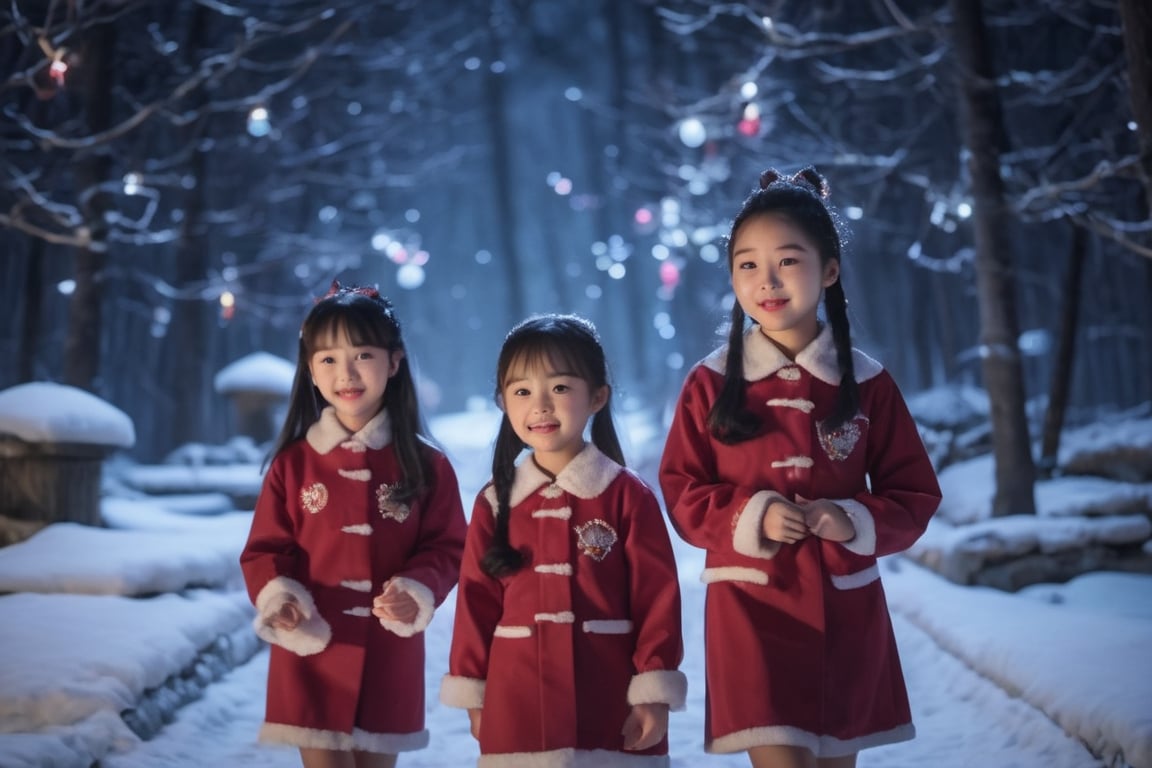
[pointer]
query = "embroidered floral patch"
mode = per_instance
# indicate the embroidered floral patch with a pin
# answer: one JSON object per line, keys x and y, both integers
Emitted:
{"x": 388, "y": 505}
{"x": 839, "y": 443}
{"x": 595, "y": 539}
{"x": 314, "y": 497}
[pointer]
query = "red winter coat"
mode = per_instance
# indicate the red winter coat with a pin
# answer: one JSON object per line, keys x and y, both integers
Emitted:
{"x": 326, "y": 532}
{"x": 557, "y": 652}
{"x": 799, "y": 642}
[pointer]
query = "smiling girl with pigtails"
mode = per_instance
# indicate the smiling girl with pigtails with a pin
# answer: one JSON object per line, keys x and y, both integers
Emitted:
{"x": 793, "y": 460}
{"x": 567, "y": 637}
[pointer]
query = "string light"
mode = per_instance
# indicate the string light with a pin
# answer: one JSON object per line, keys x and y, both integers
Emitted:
{"x": 57, "y": 69}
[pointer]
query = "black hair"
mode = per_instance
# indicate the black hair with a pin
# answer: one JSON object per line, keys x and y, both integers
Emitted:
{"x": 802, "y": 199}
{"x": 367, "y": 319}
{"x": 570, "y": 343}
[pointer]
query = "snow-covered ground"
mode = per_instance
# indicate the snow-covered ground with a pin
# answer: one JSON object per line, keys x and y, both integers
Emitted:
{"x": 131, "y": 625}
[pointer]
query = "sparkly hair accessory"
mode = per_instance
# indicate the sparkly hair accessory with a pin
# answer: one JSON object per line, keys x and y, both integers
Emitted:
{"x": 808, "y": 178}
{"x": 336, "y": 290}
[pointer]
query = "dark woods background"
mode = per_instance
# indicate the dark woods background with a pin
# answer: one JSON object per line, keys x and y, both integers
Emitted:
{"x": 484, "y": 160}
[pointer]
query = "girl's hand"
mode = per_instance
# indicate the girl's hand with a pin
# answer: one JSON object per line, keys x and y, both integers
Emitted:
{"x": 288, "y": 617}
{"x": 784, "y": 522}
{"x": 645, "y": 726}
{"x": 827, "y": 520}
{"x": 474, "y": 719}
{"x": 395, "y": 604}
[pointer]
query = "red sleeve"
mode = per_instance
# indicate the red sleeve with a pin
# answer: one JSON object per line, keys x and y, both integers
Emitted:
{"x": 904, "y": 492}
{"x": 435, "y": 562}
{"x": 653, "y": 585}
{"x": 479, "y": 601}
{"x": 271, "y": 549}
{"x": 702, "y": 509}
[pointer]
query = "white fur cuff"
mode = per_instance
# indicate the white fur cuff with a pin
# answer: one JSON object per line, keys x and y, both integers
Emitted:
{"x": 462, "y": 692}
{"x": 310, "y": 636}
{"x": 748, "y": 536}
{"x": 425, "y": 606}
{"x": 864, "y": 543}
{"x": 659, "y": 686}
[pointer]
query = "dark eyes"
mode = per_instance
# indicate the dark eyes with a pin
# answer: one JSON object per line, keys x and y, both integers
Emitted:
{"x": 558, "y": 389}
{"x": 787, "y": 261}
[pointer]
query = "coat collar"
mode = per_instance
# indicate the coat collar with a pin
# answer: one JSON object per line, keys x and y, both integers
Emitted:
{"x": 585, "y": 477}
{"x": 328, "y": 432}
{"x": 762, "y": 358}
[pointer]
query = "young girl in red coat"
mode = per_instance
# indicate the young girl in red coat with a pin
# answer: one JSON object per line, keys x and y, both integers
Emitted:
{"x": 792, "y": 459}
{"x": 567, "y": 637}
{"x": 356, "y": 538}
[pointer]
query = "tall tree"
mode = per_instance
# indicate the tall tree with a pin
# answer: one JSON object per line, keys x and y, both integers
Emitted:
{"x": 1137, "y": 20}
{"x": 995, "y": 280}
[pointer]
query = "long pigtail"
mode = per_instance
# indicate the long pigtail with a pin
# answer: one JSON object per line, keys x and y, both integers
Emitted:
{"x": 502, "y": 558}
{"x": 730, "y": 421}
{"x": 848, "y": 395}
{"x": 604, "y": 435}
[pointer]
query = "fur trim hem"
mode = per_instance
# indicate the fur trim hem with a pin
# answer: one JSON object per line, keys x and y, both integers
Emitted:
{"x": 462, "y": 692}
{"x": 425, "y": 607}
{"x": 748, "y": 534}
{"x": 572, "y": 758}
{"x": 864, "y": 542}
{"x": 659, "y": 686}
{"x": 310, "y": 636}
{"x": 821, "y": 746}
{"x": 313, "y": 738}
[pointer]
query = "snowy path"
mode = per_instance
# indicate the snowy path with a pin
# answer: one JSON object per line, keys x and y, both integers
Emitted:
{"x": 961, "y": 717}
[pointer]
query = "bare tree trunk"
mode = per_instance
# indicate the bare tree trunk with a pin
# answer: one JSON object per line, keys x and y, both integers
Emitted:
{"x": 1062, "y": 366}
{"x": 1137, "y": 18}
{"x": 503, "y": 185}
{"x": 30, "y": 328}
{"x": 94, "y": 80}
{"x": 187, "y": 352}
{"x": 983, "y": 130}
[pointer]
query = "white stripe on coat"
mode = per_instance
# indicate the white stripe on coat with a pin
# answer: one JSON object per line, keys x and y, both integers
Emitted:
{"x": 510, "y": 631}
{"x": 733, "y": 573}
{"x": 856, "y": 580}
{"x": 798, "y": 403}
{"x": 563, "y": 513}
{"x": 608, "y": 626}
{"x": 564, "y": 617}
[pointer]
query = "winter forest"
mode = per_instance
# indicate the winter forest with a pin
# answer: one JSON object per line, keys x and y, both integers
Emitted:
{"x": 181, "y": 179}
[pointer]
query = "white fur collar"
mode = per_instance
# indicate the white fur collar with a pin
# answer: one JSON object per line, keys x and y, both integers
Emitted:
{"x": 762, "y": 358}
{"x": 585, "y": 477}
{"x": 328, "y": 432}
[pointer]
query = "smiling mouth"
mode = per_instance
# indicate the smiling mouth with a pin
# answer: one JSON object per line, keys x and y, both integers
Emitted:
{"x": 546, "y": 428}
{"x": 349, "y": 393}
{"x": 770, "y": 305}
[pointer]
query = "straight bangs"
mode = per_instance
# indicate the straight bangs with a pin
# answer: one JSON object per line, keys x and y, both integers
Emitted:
{"x": 362, "y": 326}
{"x": 543, "y": 352}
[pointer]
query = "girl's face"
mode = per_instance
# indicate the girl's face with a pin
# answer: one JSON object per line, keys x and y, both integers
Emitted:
{"x": 778, "y": 279}
{"x": 549, "y": 409}
{"x": 351, "y": 378}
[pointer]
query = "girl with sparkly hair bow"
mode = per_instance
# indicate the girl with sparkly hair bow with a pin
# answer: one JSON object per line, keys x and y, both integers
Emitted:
{"x": 793, "y": 460}
{"x": 356, "y": 539}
